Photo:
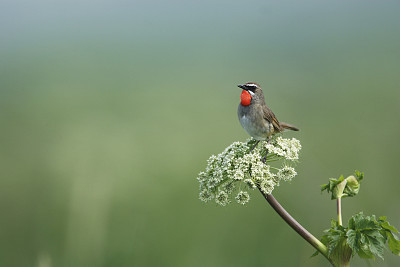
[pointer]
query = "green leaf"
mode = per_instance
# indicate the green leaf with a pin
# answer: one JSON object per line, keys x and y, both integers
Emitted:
{"x": 362, "y": 222}
{"x": 334, "y": 224}
{"x": 376, "y": 246}
{"x": 359, "y": 175}
{"x": 353, "y": 240}
{"x": 365, "y": 236}
{"x": 393, "y": 243}
{"x": 333, "y": 237}
{"x": 315, "y": 254}
{"x": 382, "y": 218}
{"x": 352, "y": 223}
{"x": 365, "y": 223}
{"x": 325, "y": 187}
{"x": 337, "y": 192}
{"x": 387, "y": 226}
{"x": 364, "y": 251}
{"x": 352, "y": 187}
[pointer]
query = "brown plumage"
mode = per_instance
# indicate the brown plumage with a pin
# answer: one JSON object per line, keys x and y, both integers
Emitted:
{"x": 256, "y": 117}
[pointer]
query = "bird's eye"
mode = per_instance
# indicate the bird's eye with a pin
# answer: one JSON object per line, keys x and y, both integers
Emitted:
{"x": 251, "y": 87}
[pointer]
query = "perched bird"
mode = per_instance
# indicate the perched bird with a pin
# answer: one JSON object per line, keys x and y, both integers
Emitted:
{"x": 256, "y": 117}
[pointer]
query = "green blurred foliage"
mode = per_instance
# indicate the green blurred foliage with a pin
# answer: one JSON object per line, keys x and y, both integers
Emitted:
{"x": 110, "y": 109}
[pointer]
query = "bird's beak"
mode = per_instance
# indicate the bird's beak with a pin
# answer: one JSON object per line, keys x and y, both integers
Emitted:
{"x": 241, "y": 86}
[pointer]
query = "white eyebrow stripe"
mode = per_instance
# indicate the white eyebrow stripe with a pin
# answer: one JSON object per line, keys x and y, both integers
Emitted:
{"x": 251, "y": 84}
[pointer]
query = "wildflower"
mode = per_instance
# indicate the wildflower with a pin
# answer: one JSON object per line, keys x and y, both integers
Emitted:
{"x": 287, "y": 173}
{"x": 229, "y": 187}
{"x": 222, "y": 198}
{"x": 238, "y": 175}
{"x": 242, "y": 197}
{"x": 205, "y": 195}
{"x": 267, "y": 186}
{"x": 225, "y": 172}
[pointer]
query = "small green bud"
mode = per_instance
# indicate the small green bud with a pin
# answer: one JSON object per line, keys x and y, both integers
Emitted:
{"x": 342, "y": 187}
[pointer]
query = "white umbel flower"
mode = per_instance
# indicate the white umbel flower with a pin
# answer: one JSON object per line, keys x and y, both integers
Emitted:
{"x": 225, "y": 172}
{"x": 242, "y": 197}
{"x": 222, "y": 198}
{"x": 287, "y": 173}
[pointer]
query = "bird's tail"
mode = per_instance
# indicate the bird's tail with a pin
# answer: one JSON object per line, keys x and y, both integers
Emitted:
{"x": 287, "y": 126}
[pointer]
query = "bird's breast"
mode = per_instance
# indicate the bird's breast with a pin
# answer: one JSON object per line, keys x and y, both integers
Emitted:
{"x": 256, "y": 127}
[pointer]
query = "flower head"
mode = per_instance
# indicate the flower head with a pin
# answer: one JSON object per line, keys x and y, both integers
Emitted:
{"x": 242, "y": 197}
{"x": 287, "y": 173}
{"x": 226, "y": 171}
{"x": 222, "y": 198}
{"x": 205, "y": 195}
{"x": 267, "y": 186}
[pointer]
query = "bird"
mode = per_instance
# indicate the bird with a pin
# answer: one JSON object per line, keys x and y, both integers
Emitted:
{"x": 256, "y": 117}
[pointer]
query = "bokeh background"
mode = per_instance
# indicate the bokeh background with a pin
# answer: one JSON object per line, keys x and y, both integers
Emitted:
{"x": 110, "y": 109}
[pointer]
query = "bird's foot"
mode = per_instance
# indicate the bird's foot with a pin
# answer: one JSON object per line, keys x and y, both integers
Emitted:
{"x": 264, "y": 159}
{"x": 258, "y": 141}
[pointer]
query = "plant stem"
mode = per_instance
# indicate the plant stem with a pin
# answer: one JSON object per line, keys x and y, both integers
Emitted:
{"x": 339, "y": 210}
{"x": 297, "y": 226}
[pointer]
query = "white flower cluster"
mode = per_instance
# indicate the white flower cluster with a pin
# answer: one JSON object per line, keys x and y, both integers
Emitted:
{"x": 236, "y": 169}
{"x": 287, "y": 148}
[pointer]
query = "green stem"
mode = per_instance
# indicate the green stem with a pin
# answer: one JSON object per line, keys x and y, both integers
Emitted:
{"x": 339, "y": 210}
{"x": 297, "y": 226}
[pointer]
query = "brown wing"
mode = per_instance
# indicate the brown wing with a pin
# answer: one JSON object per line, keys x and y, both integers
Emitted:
{"x": 270, "y": 116}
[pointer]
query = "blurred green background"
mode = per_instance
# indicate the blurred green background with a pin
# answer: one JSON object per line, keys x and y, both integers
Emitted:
{"x": 110, "y": 109}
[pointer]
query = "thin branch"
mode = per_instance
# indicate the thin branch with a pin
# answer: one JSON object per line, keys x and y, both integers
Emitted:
{"x": 297, "y": 226}
{"x": 312, "y": 240}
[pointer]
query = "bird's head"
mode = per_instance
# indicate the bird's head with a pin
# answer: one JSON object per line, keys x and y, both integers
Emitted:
{"x": 251, "y": 92}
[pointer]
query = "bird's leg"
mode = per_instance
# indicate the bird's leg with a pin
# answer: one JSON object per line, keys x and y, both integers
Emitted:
{"x": 258, "y": 141}
{"x": 264, "y": 159}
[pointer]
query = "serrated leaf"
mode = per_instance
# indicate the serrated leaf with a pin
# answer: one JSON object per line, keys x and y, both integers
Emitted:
{"x": 362, "y": 222}
{"x": 353, "y": 240}
{"x": 334, "y": 223}
{"x": 359, "y": 175}
{"x": 351, "y": 223}
{"x": 367, "y": 236}
{"x": 364, "y": 251}
{"x": 374, "y": 233}
{"x": 332, "y": 183}
{"x": 393, "y": 243}
{"x": 365, "y": 224}
{"x": 325, "y": 187}
{"x": 387, "y": 226}
{"x": 382, "y": 218}
{"x": 376, "y": 246}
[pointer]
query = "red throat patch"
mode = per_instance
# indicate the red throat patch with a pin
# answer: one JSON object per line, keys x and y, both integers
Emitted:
{"x": 245, "y": 98}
